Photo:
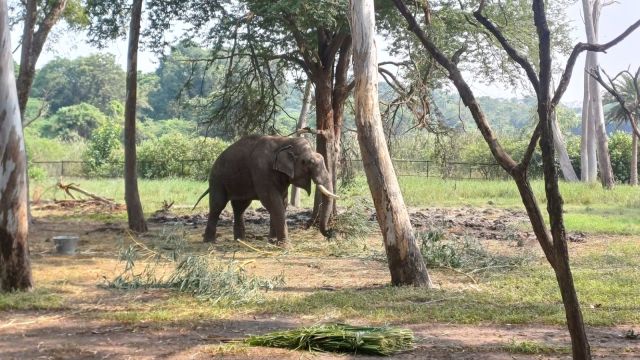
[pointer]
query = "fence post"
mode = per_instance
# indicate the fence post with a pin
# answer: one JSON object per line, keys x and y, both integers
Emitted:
{"x": 61, "y": 167}
{"x": 470, "y": 170}
{"x": 182, "y": 168}
{"x": 427, "y": 168}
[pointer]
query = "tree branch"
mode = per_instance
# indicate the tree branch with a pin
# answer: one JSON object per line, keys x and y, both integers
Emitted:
{"x": 579, "y": 48}
{"x": 511, "y": 51}
{"x": 611, "y": 88}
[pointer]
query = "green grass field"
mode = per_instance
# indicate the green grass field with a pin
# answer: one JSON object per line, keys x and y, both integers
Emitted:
{"x": 588, "y": 207}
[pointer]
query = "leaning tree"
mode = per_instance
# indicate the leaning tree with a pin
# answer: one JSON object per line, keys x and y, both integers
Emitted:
{"x": 554, "y": 240}
{"x": 15, "y": 267}
{"x": 405, "y": 261}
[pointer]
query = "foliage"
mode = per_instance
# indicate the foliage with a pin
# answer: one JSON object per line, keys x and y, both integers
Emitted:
{"x": 182, "y": 75}
{"x": 153, "y": 129}
{"x": 366, "y": 340}
{"x": 45, "y": 149}
{"x": 199, "y": 275}
{"x": 354, "y": 222}
{"x": 73, "y": 122}
{"x": 96, "y": 79}
{"x": 629, "y": 93}
{"x": 620, "y": 153}
{"x": 104, "y": 156}
{"x": 466, "y": 253}
{"x": 178, "y": 155}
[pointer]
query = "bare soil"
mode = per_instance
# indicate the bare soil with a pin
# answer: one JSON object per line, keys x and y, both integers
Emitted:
{"x": 74, "y": 333}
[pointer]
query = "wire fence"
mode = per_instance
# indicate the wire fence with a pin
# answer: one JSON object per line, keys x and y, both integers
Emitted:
{"x": 199, "y": 168}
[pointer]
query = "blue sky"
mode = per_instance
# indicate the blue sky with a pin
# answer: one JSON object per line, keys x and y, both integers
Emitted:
{"x": 615, "y": 18}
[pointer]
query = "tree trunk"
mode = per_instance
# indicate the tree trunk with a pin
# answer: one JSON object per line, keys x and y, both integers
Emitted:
{"x": 302, "y": 123}
{"x": 591, "y": 16}
{"x": 32, "y": 44}
{"x": 15, "y": 266}
{"x": 563, "y": 156}
{"x": 405, "y": 261}
{"x": 324, "y": 139}
{"x": 131, "y": 195}
{"x": 633, "y": 178}
{"x": 588, "y": 164}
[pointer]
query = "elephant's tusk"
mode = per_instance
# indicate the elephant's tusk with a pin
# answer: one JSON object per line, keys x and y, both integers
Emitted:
{"x": 327, "y": 192}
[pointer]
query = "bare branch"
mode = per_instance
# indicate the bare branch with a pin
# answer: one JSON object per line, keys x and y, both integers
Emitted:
{"x": 579, "y": 48}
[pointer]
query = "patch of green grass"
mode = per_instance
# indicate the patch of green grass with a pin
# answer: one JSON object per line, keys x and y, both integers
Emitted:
{"x": 534, "y": 348}
{"x": 603, "y": 219}
{"x": 38, "y": 299}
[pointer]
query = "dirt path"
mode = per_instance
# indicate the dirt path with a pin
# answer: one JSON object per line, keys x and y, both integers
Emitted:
{"x": 53, "y": 335}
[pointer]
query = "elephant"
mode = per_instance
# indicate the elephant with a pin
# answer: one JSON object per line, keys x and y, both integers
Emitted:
{"x": 262, "y": 168}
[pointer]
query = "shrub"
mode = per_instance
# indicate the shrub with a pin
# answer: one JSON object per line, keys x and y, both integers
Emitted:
{"x": 620, "y": 153}
{"x": 73, "y": 122}
{"x": 104, "y": 156}
{"x": 178, "y": 155}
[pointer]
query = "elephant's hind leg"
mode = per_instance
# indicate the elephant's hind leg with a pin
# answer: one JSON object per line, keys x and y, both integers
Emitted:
{"x": 217, "y": 202}
{"x": 239, "y": 206}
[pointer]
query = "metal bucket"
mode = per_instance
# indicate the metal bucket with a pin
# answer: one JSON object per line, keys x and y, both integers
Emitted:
{"x": 66, "y": 244}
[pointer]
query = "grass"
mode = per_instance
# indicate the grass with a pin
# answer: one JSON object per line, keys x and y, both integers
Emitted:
{"x": 589, "y": 207}
{"x": 344, "y": 338}
{"x": 534, "y": 348}
{"x": 606, "y": 277}
{"x": 38, "y": 299}
{"x": 605, "y": 267}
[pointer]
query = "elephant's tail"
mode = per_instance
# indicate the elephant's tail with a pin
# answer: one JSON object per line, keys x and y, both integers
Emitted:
{"x": 200, "y": 198}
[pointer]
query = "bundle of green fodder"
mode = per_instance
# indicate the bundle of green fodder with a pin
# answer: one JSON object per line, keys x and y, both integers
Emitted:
{"x": 339, "y": 338}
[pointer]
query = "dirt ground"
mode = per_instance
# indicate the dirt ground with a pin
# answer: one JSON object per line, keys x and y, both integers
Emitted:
{"x": 74, "y": 333}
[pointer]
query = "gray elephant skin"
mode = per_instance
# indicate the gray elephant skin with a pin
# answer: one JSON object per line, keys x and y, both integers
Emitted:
{"x": 262, "y": 168}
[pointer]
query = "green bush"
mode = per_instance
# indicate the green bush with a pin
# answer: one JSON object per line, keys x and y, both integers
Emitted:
{"x": 104, "y": 155}
{"x": 73, "y": 122}
{"x": 178, "y": 155}
{"x": 37, "y": 173}
{"x": 620, "y": 153}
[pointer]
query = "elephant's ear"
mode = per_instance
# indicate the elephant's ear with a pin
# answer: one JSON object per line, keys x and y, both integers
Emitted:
{"x": 284, "y": 161}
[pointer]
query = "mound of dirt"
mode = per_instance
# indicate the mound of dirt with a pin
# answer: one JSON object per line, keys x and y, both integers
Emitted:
{"x": 487, "y": 224}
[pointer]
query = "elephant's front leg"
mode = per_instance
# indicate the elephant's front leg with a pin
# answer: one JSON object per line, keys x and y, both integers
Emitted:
{"x": 272, "y": 229}
{"x": 278, "y": 226}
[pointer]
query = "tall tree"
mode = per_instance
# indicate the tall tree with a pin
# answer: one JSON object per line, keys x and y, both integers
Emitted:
{"x": 95, "y": 79}
{"x": 302, "y": 123}
{"x": 405, "y": 261}
{"x": 624, "y": 91}
{"x": 39, "y": 18}
{"x": 132, "y": 197}
{"x": 553, "y": 242}
{"x": 595, "y": 113}
{"x": 15, "y": 266}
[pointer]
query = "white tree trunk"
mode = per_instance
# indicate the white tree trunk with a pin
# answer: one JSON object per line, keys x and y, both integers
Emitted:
{"x": 15, "y": 266}
{"x": 405, "y": 261}
{"x": 588, "y": 163}
{"x": 591, "y": 10}
{"x": 563, "y": 155}
{"x": 302, "y": 122}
